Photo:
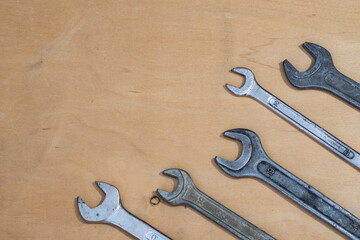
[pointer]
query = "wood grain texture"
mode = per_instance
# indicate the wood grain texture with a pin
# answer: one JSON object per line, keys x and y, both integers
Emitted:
{"x": 118, "y": 91}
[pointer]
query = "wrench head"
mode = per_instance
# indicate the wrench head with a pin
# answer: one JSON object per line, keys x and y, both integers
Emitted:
{"x": 245, "y": 155}
{"x": 316, "y": 74}
{"x": 252, "y": 152}
{"x": 106, "y": 209}
{"x": 184, "y": 179}
{"x": 249, "y": 83}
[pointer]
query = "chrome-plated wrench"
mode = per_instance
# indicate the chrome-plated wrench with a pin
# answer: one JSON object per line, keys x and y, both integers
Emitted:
{"x": 188, "y": 194}
{"x": 323, "y": 75}
{"x": 253, "y": 89}
{"x": 254, "y": 162}
{"x": 111, "y": 211}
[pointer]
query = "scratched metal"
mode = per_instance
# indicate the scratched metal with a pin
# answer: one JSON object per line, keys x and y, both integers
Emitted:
{"x": 188, "y": 194}
{"x": 323, "y": 75}
{"x": 256, "y": 163}
{"x": 253, "y": 89}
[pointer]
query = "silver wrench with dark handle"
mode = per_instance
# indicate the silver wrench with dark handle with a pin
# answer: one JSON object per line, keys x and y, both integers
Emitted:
{"x": 254, "y": 162}
{"x": 188, "y": 194}
{"x": 323, "y": 75}
{"x": 253, "y": 89}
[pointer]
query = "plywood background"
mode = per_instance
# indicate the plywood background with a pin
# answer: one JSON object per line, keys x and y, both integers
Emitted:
{"x": 118, "y": 91}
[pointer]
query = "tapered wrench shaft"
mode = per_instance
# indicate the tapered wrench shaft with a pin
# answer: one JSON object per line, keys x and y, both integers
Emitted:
{"x": 308, "y": 197}
{"x": 135, "y": 226}
{"x": 255, "y": 163}
{"x": 188, "y": 194}
{"x": 253, "y": 89}
{"x": 221, "y": 215}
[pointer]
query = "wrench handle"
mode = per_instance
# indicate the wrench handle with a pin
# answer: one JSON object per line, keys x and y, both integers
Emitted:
{"x": 342, "y": 86}
{"x": 223, "y": 216}
{"x": 135, "y": 226}
{"x": 309, "y": 198}
{"x": 307, "y": 126}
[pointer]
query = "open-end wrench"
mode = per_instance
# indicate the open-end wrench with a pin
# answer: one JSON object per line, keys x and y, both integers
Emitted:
{"x": 323, "y": 75}
{"x": 112, "y": 212}
{"x": 188, "y": 194}
{"x": 253, "y": 89}
{"x": 254, "y": 162}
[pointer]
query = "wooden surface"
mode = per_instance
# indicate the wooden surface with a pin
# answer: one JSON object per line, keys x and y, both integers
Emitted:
{"x": 118, "y": 91}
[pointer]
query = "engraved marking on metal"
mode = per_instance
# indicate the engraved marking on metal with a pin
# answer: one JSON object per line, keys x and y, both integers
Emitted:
{"x": 262, "y": 167}
{"x": 153, "y": 236}
{"x": 316, "y": 130}
{"x": 187, "y": 194}
{"x": 294, "y": 117}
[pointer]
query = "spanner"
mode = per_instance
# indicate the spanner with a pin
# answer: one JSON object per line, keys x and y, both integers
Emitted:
{"x": 111, "y": 211}
{"x": 188, "y": 194}
{"x": 254, "y": 162}
{"x": 253, "y": 89}
{"x": 323, "y": 75}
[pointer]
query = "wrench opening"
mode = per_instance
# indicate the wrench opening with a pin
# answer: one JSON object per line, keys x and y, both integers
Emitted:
{"x": 105, "y": 209}
{"x": 249, "y": 82}
{"x": 111, "y": 211}
{"x": 311, "y": 76}
{"x": 244, "y": 158}
{"x": 323, "y": 75}
{"x": 174, "y": 173}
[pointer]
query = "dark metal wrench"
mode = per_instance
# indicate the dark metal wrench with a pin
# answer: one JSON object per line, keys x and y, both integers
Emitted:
{"x": 111, "y": 211}
{"x": 253, "y": 89}
{"x": 323, "y": 75}
{"x": 188, "y": 194}
{"x": 254, "y": 162}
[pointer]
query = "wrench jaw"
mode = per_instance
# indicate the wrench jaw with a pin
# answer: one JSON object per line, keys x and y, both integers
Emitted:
{"x": 249, "y": 84}
{"x": 175, "y": 198}
{"x": 314, "y": 77}
{"x": 252, "y": 153}
{"x": 106, "y": 209}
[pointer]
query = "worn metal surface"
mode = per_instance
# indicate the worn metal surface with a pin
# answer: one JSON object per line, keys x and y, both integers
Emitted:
{"x": 112, "y": 212}
{"x": 254, "y": 162}
{"x": 188, "y": 194}
{"x": 253, "y": 89}
{"x": 323, "y": 75}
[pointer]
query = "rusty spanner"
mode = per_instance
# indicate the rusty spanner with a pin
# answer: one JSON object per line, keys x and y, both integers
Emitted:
{"x": 188, "y": 194}
{"x": 254, "y": 162}
{"x": 253, "y": 89}
{"x": 111, "y": 211}
{"x": 323, "y": 75}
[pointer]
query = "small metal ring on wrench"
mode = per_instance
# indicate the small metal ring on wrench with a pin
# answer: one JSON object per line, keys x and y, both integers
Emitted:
{"x": 188, "y": 194}
{"x": 253, "y": 89}
{"x": 259, "y": 165}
